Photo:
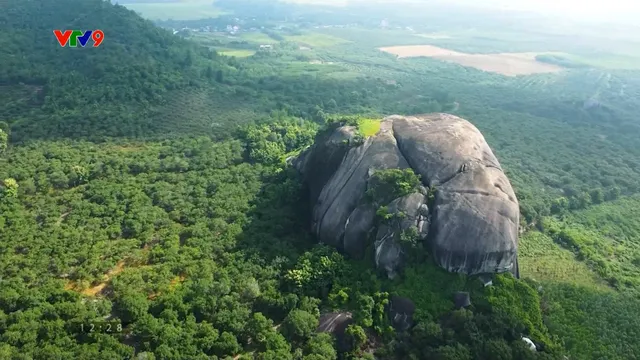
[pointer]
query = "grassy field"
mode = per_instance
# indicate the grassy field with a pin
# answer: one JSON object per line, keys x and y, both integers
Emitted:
{"x": 540, "y": 258}
{"x": 375, "y": 37}
{"x": 316, "y": 40}
{"x": 607, "y": 237}
{"x": 184, "y": 10}
{"x": 236, "y": 52}
{"x": 257, "y": 38}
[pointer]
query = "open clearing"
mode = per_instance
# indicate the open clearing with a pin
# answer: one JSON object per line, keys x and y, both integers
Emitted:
{"x": 236, "y": 52}
{"x": 540, "y": 258}
{"x": 316, "y": 39}
{"x": 510, "y": 64}
{"x": 258, "y": 38}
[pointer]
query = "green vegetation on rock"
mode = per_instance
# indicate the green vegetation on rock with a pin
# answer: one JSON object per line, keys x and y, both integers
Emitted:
{"x": 387, "y": 185}
{"x": 368, "y": 127}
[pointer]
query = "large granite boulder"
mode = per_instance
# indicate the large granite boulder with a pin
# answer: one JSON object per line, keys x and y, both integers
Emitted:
{"x": 470, "y": 224}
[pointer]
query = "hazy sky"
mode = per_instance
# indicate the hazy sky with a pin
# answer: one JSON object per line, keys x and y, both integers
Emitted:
{"x": 577, "y": 9}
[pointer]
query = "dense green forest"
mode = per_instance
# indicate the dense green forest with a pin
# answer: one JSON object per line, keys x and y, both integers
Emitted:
{"x": 197, "y": 249}
{"x": 147, "y": 210}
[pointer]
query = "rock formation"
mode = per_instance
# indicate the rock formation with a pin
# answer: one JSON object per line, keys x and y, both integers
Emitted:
{"x": 471, "y": 224}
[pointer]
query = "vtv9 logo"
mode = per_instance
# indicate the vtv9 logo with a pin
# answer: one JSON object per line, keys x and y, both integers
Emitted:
{"x": 75, "y": 37}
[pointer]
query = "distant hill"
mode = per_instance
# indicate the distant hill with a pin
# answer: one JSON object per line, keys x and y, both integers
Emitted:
{"x": 145, "y": 82}
{"x": 87, "y": 92}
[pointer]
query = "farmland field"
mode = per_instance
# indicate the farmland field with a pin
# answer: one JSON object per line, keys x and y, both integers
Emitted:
{"x": 316, "y": 40}
{"x": 236, "y": 52}
{"x": 511, "y": 64}
{"x": 258, "y": 38}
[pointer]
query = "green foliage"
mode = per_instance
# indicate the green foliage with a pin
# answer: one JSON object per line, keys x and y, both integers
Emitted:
{"x": 452, "y": 352}
{"x": 410, "y": 239}
{"x": 146, "y": 233}
{"x": 338, "y": 297}
{"x": 320, "y": 347}
{"x": 131, "y": 306}
{"x": 259, "y": 328}
{"x": 10, "y": 188}
{"x": 433, "y": 298}
{"x": 277, "y": 347}
{"x": 592, "y": 323}
{"x": 315, "y": 270}
{"x": 200, "y": 253}
{"x": 299, "y": 325}
{"x": 91, "y": 93}
{"x": 560, "y": 61}
{"x": 517, "y": 300}
{"x": 497, "y": 349}
{"x": 356, "y": 336}
{"x": 606, "y": 237}
{"x": 4, "y": 141}
{"x": 490, "y": 328}
{"x": 597, "y": 196}
{"x": 387, "y": 185}
{"x": 389, "y": 218}
{"x": 379, "y": 313}
{"x": 363, "y": 316}
{"x": 273, "y": 142}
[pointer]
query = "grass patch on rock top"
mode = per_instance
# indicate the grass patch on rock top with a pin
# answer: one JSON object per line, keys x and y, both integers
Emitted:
{"x": 368, "y": 127}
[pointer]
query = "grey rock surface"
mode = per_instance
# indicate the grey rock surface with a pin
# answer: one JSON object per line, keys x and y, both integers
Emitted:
{"x": 322, "y": 160}
{"x": 342, "y": 193}
{"x": 357, "y": 229}
{"x": 471, "y": 226}
{"x": 336, "y": 324}
{"x": 388, "y": 253}
{"x": 401, "y": 312}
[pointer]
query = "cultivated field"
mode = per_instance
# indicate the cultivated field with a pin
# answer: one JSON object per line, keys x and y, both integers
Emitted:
{"x": 510, "y": 64}
{"x": 258, "y": 38}
{"x": 316, "y": 39}
{"x": 236, "y": 52}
